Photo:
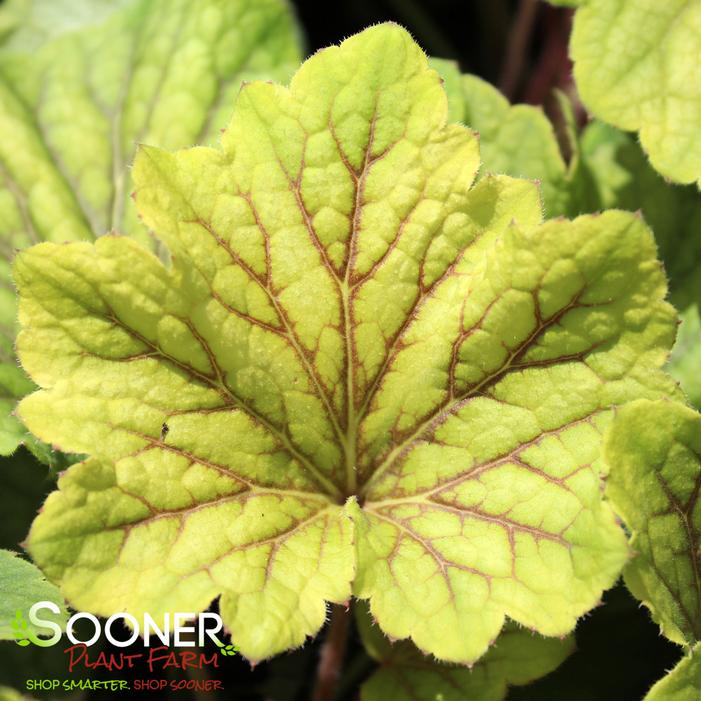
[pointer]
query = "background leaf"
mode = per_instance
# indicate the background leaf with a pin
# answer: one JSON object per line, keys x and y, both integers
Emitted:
{"x": 652, "y": 86}
{"x": 344, "y": 320}
{"x": 683, "y": 683}
{"x": 78, "y": 93}
{"x": 21, "y": 586}
{"x": 517, "y": 657}
{"x": 654, "y": 449}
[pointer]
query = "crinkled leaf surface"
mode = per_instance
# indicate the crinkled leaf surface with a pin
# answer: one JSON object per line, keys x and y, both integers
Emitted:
{"x": 654, "y": 449}
{"x": 163, "y": 72}
{"x": 683, "y": 683}
{"x": 359, "y": 371}
{"x": 21, "y": 586}
{"x": 624, "y": 179}
{"x": 636, "y": 66}
{"x": 607, "y": 169}
{"x": 518, "y": 657}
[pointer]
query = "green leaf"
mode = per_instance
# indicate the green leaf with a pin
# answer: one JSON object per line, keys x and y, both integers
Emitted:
{"x": 683, "y": 683}
{"x": 654, "y": 449}
{"x": 21, "y": 586}
{"x": 519, "y": 140}
{"x": 25, "y": 25}
{"x": 624, "y": 179}
{"x": 518, "y": 657}
{"x": 685, "y": 361}
{"x": 14, "y": 384}
{"x": 516, "y": 140}
{"x": 347, "y": 329}
{"x": 635, "y": 65}
{"x": 74, "y": 104}
{"x": 9, "y": 694}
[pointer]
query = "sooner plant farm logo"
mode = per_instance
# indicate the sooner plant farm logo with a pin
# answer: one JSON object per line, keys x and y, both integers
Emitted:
{"x": 181, "y": 630}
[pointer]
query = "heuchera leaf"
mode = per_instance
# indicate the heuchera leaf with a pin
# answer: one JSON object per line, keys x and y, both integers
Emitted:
{"x": 357, "y": 372}
{"x": 624, "y": 179}
{"x": 71, "y": 112}
{"x": 517, "y": 658}
{"x": 635, "y": 65}
{"x": 654, "y": 449}
{"x": 606, "y": 169}
{"x": 516, "y": 140}
{"x": 21, "y": 586}
{"x": 683, "y": 683}
{"x": 519, "y": 140}
{"x": 14, "y": 385}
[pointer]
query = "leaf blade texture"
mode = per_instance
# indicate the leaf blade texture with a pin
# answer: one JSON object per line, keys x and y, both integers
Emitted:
{"x": 655, "y": 449}
{"x": 634, "y": 68}
{"x": 404, "y": 372}
{"x": 81, "y": 86}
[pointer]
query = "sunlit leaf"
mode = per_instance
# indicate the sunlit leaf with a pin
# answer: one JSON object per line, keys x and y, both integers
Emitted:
{"x": 81, "y": 86}
{"x": 654, "y": 449}
{"x": 359, "y": 373}
{"x": 636, "y": 66}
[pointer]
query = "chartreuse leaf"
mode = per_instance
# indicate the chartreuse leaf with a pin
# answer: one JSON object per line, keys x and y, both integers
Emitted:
{"x": 635, "y": 64}
{"x": 21, "y": 586}
{"x": 606, "y": 169}
{"x": 654, "y": 449}
{"x": 73, "y": 107}
{"x": 14, "y": 385}
{"x": 25, "y": 25}
{"x": 624, "y": 179}
{"x": 518, "y": 657}
{"x": 518, "y": 140}
{"x": 358, "y": 372}
{"x": 683, "y": 683}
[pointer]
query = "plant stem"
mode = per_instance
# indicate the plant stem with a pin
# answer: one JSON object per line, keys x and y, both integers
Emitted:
{"x": 517, "y": 46}
{"x": 333, "y": 652}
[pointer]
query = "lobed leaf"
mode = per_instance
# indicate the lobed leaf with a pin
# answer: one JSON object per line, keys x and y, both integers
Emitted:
{"x": 607, "y": 169}
{"x": 518, "y": 657}
{"x": 635, "y": 67}
{"x": 77, "y": 94}
{"x": 358, "y": 373}
{"x": 623, "y": 178}
{"x": 655, "y": 451}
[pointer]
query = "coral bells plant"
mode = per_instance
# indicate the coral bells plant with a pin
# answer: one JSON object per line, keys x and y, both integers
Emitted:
{"x": 359, "y": 368}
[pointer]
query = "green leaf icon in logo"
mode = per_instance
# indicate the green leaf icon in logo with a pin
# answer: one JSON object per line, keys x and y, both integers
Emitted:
{"x": 21, "y": 629}
{"x": 227, "y": 650}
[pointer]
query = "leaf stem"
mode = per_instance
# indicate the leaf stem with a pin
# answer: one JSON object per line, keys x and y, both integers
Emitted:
{"x": 333, "y": 652}
{"x": 517, "y": 46}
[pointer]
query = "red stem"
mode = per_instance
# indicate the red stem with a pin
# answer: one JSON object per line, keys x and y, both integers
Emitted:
{"x": 333, "y": 652}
